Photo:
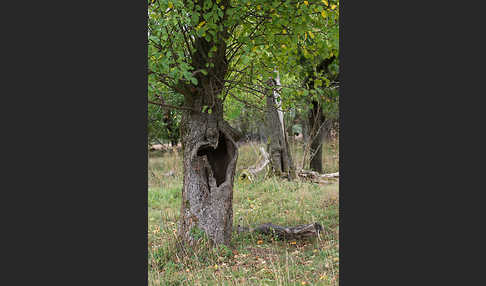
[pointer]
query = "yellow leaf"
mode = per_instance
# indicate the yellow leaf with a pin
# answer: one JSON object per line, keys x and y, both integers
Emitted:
{"x": 171, "y": 5}
{"x": 259, "y": 7}
{"x": 325, "y": 2}
{"x": 323, "y": 277}
{"x": 293, "y": 242}
{"x": 284, "y": 31}
{"x": 311, "y": 35}
{"x": 215, "y": 266}
{"x": 200, "y": 25}
{"x": 336, "y": 259}
{"x": 283, "y": 46}
{"x": 303, "y": 283}
{"x": 306, "y": 2}
{"x": 323, "y": 13}
{"x": 333, "y": 6}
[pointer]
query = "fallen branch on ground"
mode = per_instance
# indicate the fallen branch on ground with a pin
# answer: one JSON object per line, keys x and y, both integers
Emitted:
{"x": 331, "y": 175}
{"x": 289, "y": 232}
{"x": 316, "y": 177}
{"x": 251, "y": 172}
{"x": 158, "y": 147}
{"x": 165, "y": 148}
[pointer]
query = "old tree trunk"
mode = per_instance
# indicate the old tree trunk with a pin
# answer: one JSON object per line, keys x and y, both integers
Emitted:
{"x": 209, "y": 149}
{"x": 209, "y": 154}
{"x": 278, "y": 146}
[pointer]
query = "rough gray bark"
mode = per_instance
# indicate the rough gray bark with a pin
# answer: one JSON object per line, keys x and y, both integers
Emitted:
{"x": 278, "y": 146}
{"x": 210, "y": 153}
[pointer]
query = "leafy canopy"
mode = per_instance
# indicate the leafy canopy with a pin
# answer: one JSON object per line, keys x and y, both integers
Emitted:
{"x": 252, "y": 37}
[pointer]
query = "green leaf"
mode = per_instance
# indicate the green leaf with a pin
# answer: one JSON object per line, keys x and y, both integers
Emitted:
{"x": 195, "y": 17}
{"x": 245, "y": 59}
{"x": 207, "y": 4}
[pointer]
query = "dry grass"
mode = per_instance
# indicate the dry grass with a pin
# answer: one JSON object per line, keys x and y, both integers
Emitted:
{"x": 252, "y": 259}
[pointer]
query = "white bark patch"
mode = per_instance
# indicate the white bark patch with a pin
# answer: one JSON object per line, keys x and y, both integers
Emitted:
{"x": 278, "y": 100}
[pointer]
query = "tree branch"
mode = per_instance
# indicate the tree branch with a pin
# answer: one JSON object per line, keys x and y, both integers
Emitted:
{"x": 172, "y": 106}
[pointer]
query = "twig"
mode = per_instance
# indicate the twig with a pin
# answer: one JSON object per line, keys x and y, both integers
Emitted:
{"x": 172, "y": 106}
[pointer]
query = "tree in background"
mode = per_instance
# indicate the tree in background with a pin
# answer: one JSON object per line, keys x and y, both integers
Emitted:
{"x": 323, "y": 110}
{"x": 278, "y": 144}
{"x": 163, "y": 125}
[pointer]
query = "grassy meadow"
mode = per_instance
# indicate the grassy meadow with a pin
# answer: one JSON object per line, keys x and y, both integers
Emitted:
{"x": 252, "y": 259}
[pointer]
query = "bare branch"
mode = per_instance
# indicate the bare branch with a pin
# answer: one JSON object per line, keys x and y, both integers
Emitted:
{"x": 172, "y": 106}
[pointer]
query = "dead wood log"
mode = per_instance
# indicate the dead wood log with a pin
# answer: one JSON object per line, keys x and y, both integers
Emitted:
{"x": 316, "y": 177}
{"x": 158, "y": 147}
{"x": 251, "y": 172}
{"x": 286, "y": 232}
{"x": 331, "y": 175}
{"x": 258, "y": 167}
